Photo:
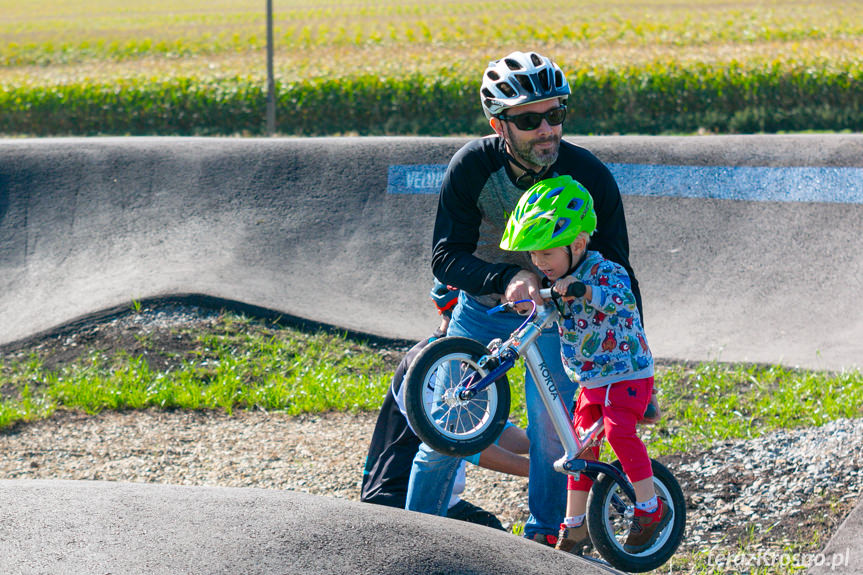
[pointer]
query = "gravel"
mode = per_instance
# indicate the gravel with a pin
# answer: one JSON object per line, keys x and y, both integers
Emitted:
{"x": 246, "y": 449}
{"x": 785, "y": 488}
{"x": 777, "y": 480}
{"x": 776, "y": 484}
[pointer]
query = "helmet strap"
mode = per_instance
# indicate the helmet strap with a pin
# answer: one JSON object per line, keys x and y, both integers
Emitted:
{"x": 574, "y": 266}
{"x": 564, "y": 311}
{"x": 529, "y": 177}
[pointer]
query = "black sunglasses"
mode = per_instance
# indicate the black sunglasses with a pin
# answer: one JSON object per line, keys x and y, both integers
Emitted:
{"x": 531, "y": 120}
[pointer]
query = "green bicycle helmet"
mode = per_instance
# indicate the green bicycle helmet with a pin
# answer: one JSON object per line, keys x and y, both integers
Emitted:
{"x": 551, "y": 214}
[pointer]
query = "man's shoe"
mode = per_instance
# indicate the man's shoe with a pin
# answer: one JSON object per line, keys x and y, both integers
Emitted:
{"x": 645, "y": 527}
{"x": 544, "y": 539}
{"x": 573, "y": 539}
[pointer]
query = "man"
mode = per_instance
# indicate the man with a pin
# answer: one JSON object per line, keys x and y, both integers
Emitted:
{"x": 524, "y": 97}
{"x": 394, "y": 444}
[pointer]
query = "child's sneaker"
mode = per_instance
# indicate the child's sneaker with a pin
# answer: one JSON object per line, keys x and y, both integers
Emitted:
{"x": 544, "y": 539}
{"x": 645, "y": 527}
{"x": 573, "y": 539}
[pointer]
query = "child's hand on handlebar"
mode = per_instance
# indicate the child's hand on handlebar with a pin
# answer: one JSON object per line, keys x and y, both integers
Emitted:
{"x": 575, "y": 287}
{"x": 561, "y": 285}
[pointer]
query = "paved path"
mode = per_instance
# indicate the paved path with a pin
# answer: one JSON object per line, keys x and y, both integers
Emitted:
{"x": 843, "y": 554}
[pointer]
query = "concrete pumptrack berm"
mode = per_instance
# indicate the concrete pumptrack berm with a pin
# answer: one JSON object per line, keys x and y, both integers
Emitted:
{"x": 747, "y": 248}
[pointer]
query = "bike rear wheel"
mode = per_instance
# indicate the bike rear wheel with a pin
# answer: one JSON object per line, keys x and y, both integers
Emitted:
{"x": 609, "y": 513}
{"x": 444, "y": 422}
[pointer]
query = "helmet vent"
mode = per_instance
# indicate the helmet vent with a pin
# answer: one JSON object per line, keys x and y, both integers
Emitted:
{"x": 525, "y": 82}
{"x": 554, "y": 192}
{"x": 575, "y": 204}
{"x": 493, "y": 75}
{"x": 544, "y": 80}
{"x": 535, "y": 59}
{"x": 512, "y": 64}
{"x": 506, "y": 89}
{"x": 534, "y": 198}
{"x": 558, "y": 78}
{"x": 559, "y": 226}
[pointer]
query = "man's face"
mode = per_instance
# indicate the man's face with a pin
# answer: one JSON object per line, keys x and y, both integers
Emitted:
{"x": 540, "y": 146}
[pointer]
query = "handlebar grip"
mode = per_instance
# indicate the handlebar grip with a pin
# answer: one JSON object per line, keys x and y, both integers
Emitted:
{"x": 576, "y": 289}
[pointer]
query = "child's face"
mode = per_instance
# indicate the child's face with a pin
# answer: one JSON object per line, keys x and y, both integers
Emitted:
{"x": 553, "y": 262}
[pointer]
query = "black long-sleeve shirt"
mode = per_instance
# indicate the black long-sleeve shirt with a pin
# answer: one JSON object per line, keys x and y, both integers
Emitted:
{"x": 477, "y": 196}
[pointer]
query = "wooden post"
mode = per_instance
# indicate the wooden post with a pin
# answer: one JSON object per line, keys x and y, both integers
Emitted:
{"x": 271, "y": 84}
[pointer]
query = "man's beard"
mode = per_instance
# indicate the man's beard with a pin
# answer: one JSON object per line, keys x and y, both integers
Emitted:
{"x": 525, "y": 150}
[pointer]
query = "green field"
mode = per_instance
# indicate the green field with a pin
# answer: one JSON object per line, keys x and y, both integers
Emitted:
{"x": 638, "y": 56}
{"x": 93, "y": 38}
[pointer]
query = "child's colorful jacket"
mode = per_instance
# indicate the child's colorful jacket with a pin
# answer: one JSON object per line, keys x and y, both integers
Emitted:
{"x": 603, "y": 341}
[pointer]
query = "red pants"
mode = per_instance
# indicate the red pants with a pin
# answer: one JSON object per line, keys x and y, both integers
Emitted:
{"x": 628, "y": 401}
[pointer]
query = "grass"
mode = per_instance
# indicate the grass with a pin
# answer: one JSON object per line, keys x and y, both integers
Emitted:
{"x": 89, "y": 41}
{"x": 241, "y": 363}
{"x": 714, "y": 402}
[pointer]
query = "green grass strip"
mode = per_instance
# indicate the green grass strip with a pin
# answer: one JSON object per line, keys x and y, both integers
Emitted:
{"x": 715, "y": 402}
{"x": 238, "y": 371}
{"x": 662, "y": 98}
{"x": 244, "y": 365}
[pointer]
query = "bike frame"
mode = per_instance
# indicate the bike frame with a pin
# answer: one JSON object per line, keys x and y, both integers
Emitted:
{"x": 521, "y": 344}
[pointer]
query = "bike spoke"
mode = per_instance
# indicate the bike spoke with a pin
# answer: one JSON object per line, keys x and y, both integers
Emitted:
{"x": 473, "y": 420}
{"x": 460, "y": 419}
{"x": 466, "y": 418}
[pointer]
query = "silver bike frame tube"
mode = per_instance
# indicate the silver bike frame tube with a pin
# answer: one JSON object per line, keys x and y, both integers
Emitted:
{"x": 536, "y": 365}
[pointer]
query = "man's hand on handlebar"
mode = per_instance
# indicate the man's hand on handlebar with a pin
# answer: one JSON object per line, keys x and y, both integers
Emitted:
{"x": 523, "y": 285}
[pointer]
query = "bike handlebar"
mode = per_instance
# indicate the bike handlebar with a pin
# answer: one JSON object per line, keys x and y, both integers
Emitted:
{"x": 575, "y": 289}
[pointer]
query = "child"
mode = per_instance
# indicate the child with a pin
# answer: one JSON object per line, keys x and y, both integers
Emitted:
{"x": 602, "y": 344}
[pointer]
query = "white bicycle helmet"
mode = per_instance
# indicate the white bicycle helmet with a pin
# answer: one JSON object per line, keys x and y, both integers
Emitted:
{"x": 521, "y": 78}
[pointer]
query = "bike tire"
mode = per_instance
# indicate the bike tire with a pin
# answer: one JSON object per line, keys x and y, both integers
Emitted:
{"x": 608, "y": 527}
{"x": 460, "y": 427}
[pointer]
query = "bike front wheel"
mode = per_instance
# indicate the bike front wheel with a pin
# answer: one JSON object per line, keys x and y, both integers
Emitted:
{"x": 443, "y": 421}
{"x": 609, "y": 514}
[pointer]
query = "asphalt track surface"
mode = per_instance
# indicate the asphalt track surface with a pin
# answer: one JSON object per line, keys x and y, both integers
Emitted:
{"x": 91, "y": 527}
{"x": 747, "y": 249}
{"x": 329, "y": 230}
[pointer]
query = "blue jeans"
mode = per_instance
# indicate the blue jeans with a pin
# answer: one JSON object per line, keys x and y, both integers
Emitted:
{"x": 433, "y": 474}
